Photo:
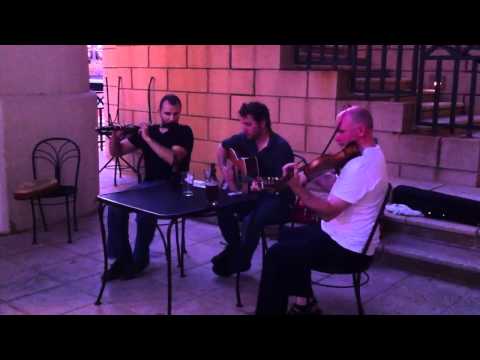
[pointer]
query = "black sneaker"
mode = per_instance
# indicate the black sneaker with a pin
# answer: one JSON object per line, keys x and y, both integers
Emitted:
{"x": 133, "y": 271}
{"x": 115, "y": 272}
{"x": 221, "y": 256}
{"x": 227, "y": 266}
{"x": 221, "y": 270}
{"x": 241, "y": 266}
{"x": 311, "y": 308}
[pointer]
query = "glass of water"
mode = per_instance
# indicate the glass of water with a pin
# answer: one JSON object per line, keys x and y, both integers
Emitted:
{"x": 187, "y": 183}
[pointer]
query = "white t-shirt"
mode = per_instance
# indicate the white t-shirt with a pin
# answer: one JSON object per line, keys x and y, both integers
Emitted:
{"x": 363, "y": 183}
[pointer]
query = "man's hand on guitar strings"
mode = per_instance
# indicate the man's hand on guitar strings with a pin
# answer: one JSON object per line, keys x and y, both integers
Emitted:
{"x": 291, "y": 171}
{"x": 256, "y": 186}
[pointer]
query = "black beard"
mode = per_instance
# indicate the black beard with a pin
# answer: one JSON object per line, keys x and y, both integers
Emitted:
{"x": 169, "y": 125}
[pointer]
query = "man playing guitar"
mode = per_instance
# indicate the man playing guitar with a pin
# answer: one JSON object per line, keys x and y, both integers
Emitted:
{"x": 272, "y": 152}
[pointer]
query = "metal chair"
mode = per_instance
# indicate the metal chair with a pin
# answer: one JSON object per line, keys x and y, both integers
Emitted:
{"x": 57, "y": 152}
{"x": 356, "y": 272}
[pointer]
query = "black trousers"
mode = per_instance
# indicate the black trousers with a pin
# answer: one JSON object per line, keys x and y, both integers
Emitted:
{"x": 268, "y": 209}
{"x": 288, "y": 264}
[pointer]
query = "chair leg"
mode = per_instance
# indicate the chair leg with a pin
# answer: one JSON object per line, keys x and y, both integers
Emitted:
{"x": 237, "y": 290}
{"x": 356, "y": 285}
{"x": 34, "y": 222}
{"x": 42, "y": 215}
{"x": 264, "y": 245}
{"x": 180, "y": 245}
{"x": 67, "y": 207}
{"x": 164, "y": 241}
{"x": 75, "y": 220}
{"x": 179, "y": 261}
{"x": 115, "y": 171}
{"x": 119, "y": 168}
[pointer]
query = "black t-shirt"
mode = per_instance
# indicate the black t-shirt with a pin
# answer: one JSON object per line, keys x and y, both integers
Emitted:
{"x": 271, "y": 159}
{"x": 155, "y": 167}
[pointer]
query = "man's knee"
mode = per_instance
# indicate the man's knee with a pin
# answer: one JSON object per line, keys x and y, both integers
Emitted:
{"x": 145, "y": 219}
{"x": 268, "y": 216}
{"x": 117, "y": 212}
{"x": 275, "y": 254}
{"x": 226, "y": 212}
{"x": 286, "y": 234}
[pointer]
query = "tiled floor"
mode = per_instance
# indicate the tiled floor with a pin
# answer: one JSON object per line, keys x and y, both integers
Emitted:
{"x": 54, "y": 277}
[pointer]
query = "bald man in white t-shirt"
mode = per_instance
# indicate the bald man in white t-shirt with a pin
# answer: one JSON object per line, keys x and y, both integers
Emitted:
{"x": 348, "y": 214}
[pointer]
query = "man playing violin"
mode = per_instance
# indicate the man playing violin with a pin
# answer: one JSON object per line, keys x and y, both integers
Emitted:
{"x": 272, "y": 152}
{"x": 348, "y": 214}
{"x": 166, "y": 151}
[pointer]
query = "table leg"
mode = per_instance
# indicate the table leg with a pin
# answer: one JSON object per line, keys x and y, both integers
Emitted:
{"x": 168, "y": 254}
{"x": 182, "y": 248}
{"x": 179, "y": 260}
{"x": 101, "y": 208}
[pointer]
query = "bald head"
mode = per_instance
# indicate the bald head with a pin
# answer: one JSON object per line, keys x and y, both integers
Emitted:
{"x": 355, "y": 125}
{"x": 358, "y": 115}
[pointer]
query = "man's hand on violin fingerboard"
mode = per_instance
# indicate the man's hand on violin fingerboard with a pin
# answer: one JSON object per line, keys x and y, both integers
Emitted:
{"x": 291, "y": 173}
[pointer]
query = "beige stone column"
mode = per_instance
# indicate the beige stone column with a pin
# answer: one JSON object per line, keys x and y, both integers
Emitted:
{"x": 44, "y": 93}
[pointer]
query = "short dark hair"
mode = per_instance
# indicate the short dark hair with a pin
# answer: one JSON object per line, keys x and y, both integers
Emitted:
{"x": 172, "y": 99}
{"x": 258, "y": 111}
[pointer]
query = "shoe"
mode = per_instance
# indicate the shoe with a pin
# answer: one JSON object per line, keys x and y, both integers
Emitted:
{"x": 221, "y": 270}
{"x": 241, "y": 266}
{"x": 133, "y": 271}
{"x": 226, "y": 266}
{"x": 311, "y": 308}
{"x": 222, "y": 255}
{"x": 221, "y": 263}
{"x": 115, "y": 272}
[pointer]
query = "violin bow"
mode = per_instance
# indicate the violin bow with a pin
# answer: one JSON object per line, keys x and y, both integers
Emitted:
{"x": 117, "y": 116}
{"x": 109, "y": 116}
{"x": 335, "y": 132}
{"x": 149, "y": 105}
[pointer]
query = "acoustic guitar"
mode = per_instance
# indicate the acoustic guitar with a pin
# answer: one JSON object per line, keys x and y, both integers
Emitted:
{"x": 246, "y": 170}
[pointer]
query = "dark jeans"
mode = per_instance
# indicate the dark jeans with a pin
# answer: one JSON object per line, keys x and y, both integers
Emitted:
{"x": 117, "y": 238}
{"x": 288, "y": 264}
{"x": 268, "y": 209}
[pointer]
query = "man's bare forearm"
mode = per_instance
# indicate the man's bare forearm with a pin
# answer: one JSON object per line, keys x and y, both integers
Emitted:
{"x": 318, "y": 204}
{"x": 322, "y": 183}
{"x": 163, "y": 152}
{"x": 221, "y": 157}
{"x": 222, "y": 163}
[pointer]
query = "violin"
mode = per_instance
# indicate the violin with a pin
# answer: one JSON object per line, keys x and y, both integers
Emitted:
{"x": 317, "y": 166}
{"x": 327, "y": 161}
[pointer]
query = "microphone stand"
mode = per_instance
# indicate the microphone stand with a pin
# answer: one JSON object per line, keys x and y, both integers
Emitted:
{"x": 117, "y": 165}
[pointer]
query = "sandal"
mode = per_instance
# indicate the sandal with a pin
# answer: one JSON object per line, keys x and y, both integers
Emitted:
{"x": 311, "y": 308}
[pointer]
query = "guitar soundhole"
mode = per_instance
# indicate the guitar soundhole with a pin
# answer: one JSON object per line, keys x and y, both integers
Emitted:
{"x": 252, "y": 167}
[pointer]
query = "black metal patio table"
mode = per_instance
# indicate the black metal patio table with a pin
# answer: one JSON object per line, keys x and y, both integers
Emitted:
{"x": 165, "y": 201}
